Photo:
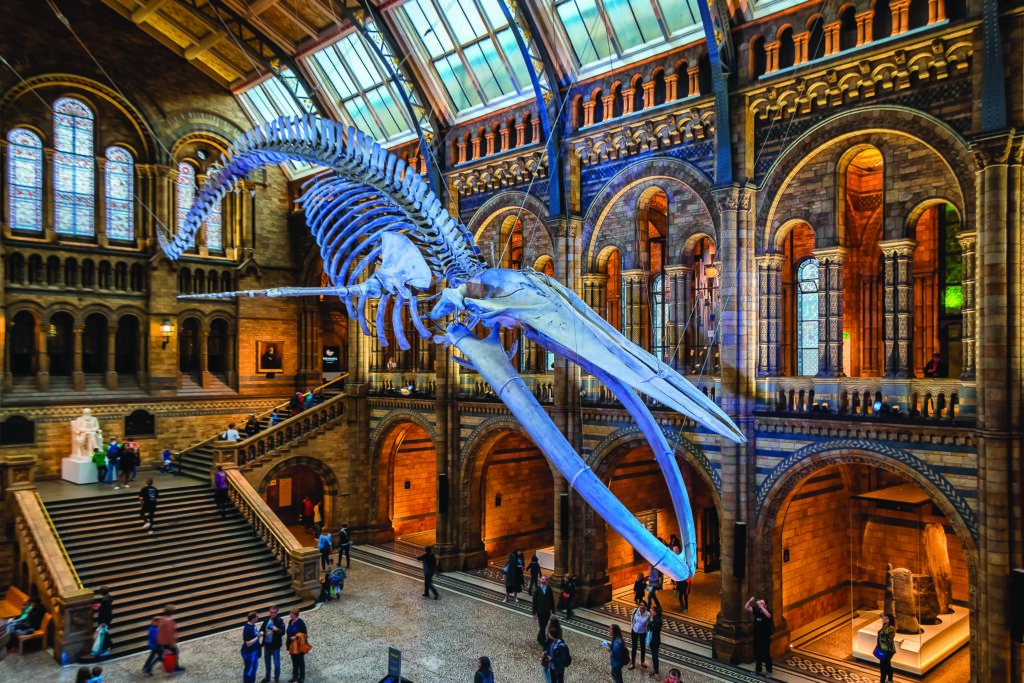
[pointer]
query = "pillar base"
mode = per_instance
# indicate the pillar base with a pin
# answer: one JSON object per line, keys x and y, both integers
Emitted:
{"x": 732, "y": 642}
{"x": 111, "y": 380}
{"x": 78, "y": 381}
{"x": 43, "y": 381}
{"x": 597, "y": 592}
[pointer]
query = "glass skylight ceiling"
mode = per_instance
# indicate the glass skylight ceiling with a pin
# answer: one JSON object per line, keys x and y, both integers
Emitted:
{"x": 471, "y": 48}
{"x": 270, "y": 100}
{"x": 359, "y": 88}
{"x": 602, "y": 29}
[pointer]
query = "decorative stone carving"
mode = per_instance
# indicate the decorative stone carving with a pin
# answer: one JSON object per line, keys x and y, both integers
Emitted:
{"x": 905, "y": 601}
{"x": 937, "y": 566}
{"x": 927, "y": 599}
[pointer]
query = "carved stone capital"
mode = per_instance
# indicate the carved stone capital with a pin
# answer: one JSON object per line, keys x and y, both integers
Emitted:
{"x": 967, "y": 240}
{"x": 901, "y": 247}
{"x": 832, "y": 254}
{"x": 994, "y": 149}
{"x": 770, "y": 261}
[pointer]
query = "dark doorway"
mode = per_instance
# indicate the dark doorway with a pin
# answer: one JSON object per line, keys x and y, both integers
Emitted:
{"x": 188, "y": 346}
{"x": 23, "y": 344}
{"x": 60, "y": 344}
{"x": 94, "y": 344}
{"x": 711, "y": 541}
{"x": 287, "y": 490}
{"x": 217, "y": 347}
{"x": 126, "y": 345}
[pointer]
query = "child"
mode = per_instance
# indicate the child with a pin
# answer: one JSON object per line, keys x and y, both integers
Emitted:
{"x": 534, "y": 568}
{"x": 155, "y": 651}
{"x": 639, "y": 589}
{"x": 100, "y": 461}
{"x": 97, "y": 675}
{"x": 167, "y": 463}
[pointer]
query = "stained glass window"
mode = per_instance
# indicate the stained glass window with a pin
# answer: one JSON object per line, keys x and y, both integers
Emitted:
{"x": 215, "y": 230}
{"x": 25, "y": 179}
{"x": 473, "y": 52}
{"x": 658, "y": 316}
{"x": 185, "y": 193}
{"x": 74, "y": 168}
{"x": 807, "y": 318}
{"x": 120, "y": 188}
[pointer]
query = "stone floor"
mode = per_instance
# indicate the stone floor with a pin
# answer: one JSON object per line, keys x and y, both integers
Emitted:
{"x": 58, "y": 489}
{"x": 440, "y": 641}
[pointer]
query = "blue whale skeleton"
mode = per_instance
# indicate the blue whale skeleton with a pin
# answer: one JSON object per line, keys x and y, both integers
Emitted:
{"x": 383, "y": 235}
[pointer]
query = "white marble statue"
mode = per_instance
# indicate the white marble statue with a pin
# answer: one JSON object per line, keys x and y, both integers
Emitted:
{"x": 85, "y": 436}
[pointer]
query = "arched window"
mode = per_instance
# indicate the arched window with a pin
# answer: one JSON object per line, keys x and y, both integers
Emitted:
{"x": 120, "y": 186}
{"x": 185, "y": 193}
{"x": 25, "y": 179}
{"x": 807, "y": 318}
{"x": 73, "y": 168}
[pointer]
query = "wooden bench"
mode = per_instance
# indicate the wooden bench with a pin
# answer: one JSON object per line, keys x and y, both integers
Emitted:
{"x": 12, "y": 605}
{"x": 41, "y": 633}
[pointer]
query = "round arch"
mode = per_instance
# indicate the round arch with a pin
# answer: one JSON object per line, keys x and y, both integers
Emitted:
{"x": 778, "y": 487}
{"x": 385, "y": 441}
{"x": 326, "y": 475}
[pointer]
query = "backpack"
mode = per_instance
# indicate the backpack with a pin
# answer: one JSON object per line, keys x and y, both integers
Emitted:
{"x": 568, "y": 655}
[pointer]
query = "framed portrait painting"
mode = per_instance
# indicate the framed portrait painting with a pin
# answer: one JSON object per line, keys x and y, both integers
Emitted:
{"x": 269, "y": 356}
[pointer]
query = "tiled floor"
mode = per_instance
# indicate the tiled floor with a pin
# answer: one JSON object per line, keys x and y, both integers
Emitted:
{"x": 440, "y": 641}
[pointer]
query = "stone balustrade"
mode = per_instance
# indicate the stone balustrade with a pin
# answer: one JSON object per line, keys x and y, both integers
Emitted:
{"x": 301, "y": 562}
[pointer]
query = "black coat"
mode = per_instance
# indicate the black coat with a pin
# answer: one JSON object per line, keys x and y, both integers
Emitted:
{"x": 513, "y": 574}
{"x": 543, "y": 601}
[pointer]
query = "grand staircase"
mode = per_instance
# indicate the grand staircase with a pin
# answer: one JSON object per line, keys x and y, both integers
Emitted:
{"x": 213, "y": 570}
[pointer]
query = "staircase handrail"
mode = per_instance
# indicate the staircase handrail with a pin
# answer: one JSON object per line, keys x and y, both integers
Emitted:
{"x": 260, "y": 416}
{"x": 245, "y": 450}
{"x": 53, "y": 573}
{"x": 298, "y": 560}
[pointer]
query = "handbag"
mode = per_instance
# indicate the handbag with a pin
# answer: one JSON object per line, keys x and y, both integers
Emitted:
{"x": 649, "y": 633}
{"x": 880, "y": 653}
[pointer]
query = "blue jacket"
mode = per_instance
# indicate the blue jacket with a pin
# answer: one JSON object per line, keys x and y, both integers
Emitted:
{"x": 152, "y": 637}
{"x": 558, "y": 653}
{"x": 618, "y": 657}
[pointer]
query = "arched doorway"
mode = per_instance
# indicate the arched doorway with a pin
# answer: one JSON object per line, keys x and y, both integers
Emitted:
{"x": 60, "y": 344}
{"x": 286, "y": 492}
{"x": 412, "y": 484}
{"x": 94, "y": 344}
{"x": 22, "y": 344}
{"x": 853, "y": 540}
{"x": 217, "y": 347}
{"x": 188, "y": 346}
{"x": 635, "y": 478}
{"x": 938, "y": 290}
{"x": 517, "y": 507}
{"x": 126, "y": 345}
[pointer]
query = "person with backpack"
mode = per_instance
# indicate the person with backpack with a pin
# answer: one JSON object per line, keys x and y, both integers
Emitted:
{"x": 513, "y": 572}
{"x": 125, "y": 465}
{"x": 100, "y": 461}
{"x": 155, "y": 651}
{"x": 763, "y": 627}
{"x": 147, "y": 501}
{"x": 534, "y": 569}
{"x": 484, "y": 673}
{"x": 429, "y": 561}
{"x": 113, "y": 456}
{"x": 556, "y": 658}
{"x": 616, "y": 648}
{"x": 323, "y": 543}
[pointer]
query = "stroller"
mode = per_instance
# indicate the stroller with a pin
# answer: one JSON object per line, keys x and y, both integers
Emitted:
{"x": 333, "y": 583}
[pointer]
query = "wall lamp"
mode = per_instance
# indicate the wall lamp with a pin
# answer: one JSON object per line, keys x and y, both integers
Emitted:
{"x": 167, "y": 329}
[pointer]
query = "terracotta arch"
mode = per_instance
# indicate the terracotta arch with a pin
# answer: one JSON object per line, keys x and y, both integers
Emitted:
{"x": 384, "y": 441}
{"x": 778, "y": 487}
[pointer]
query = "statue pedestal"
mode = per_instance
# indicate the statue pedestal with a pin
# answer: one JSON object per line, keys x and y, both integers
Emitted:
{"x": 78, "y": 471}
{"x": 919, "y": 654}
{"x": 546, "y": 558}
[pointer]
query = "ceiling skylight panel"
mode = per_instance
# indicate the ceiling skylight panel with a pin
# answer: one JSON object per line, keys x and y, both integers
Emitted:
{"x": 585, "y": 26}
{"x": 456, "y": 81}
{"x": 428, "y": 26}
{"x": 680, "y": 16}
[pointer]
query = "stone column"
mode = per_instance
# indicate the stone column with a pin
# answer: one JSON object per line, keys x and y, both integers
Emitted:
{"x": 633, "y": 306}
{"x": 627, "y": 101}
{"x": 503, "y": 132}
{"x": 112, "y": 357}
{"x": 694, "y": 78}
{"x": 900, "y": 16}
{"x": 769, "y": 326}
{"x": 677, "y": 311}
{"x": 42, "y": 358}
{"x": 77, "y": 376}
{"x": 489, "y": 137}
{"x": 141, "y": 371}
{"x": 771, "y": 51}
{"x": 100, "y": 199}
{"x": 936, "y": 11}
{"x": 830, "y": 310}
{"x": 535, "y": 121}
{"x": 800, "y": 41}
{"x": 476, "y": 147}
{"x": 832, "y": 38}
{"x": 968, "y": 242}
{"x": 671, "y": 86}
{"x": 648, "y": 94}
{"x": 738, "y": 344}
{"x": 595, "y": 287}
{"x": 520, "y": 134}
{"x": 864, "y": 27}
{"x": 461, "y": 159}
{"x": 204, "y": 353}
{"x": 609, "y": 106}
{"x": 998, "y": 157}
{"x": 898, "y": 307}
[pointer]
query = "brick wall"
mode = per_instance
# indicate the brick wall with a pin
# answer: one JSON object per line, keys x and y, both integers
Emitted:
{"x": 816, "y": 579}
{"x": 518, "y": 472}
{"x": 415, "y": 507}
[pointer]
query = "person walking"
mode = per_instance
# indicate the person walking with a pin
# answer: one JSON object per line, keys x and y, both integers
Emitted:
{"x": 344, "y": 546}
{"x": 273, "y": 629}
{"x": 131, "y": 449}
{"x": 638, "y": 629}
{"x": 683, "y": 594}
{"x": 250, "y": 648}
{"x": 762, "y": 634}
{"x": 654, "y": 579}
{"x": 155, "y": 651}
{"x": 543, "y": 606}
{"x": 318, "y": 518}
{"x": 534, "y": 569}
{"x": 616, "y": 648}
{"x": 887, "y": 646}
{"x": 639, "y": 589}
{"x": 220, "y": 490}
{"x": 484, "y": 673}
{"x": 654, "y": 637}
{"x": 521, "y": 562}
{"x": 556, "y": 653}
{"x": 105, "y": 618}
{"x": 147, "y": 501}
{"x": 100, "y": 461}
{"x": 324, "y": 544}
{"x": 231, "y": 434}
{"x": 113, "y": 456}
{"x": 167, "y": 637}
{"x": 509, "y": 570}
{"x": 307, "y": 514}
{"x": 125, "y": 465}
{"x": 298, "y": 646}
{"x": 429, "y": 561}
{"x": 568, "y": 593}
{"x": 167, "y": 466}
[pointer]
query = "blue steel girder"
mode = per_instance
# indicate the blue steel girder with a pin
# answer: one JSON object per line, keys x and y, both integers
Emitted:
{"x": 545, "y": 87}
{"x": 269, "y": 55}
{"x": 377, "y": 33}
{"x": 714, "y": 16}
